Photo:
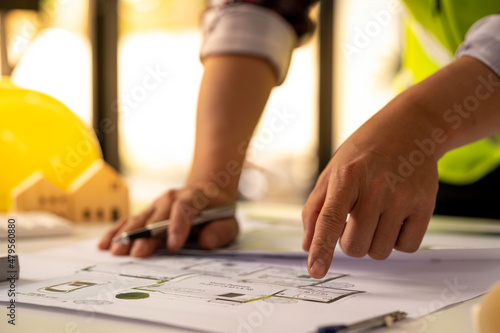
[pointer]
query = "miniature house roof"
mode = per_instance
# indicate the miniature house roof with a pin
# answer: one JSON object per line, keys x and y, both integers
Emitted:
{"x": 35, "y": 180}
{"x": 35, "y": 192}
{"x": 96, "y": 172}
{"x": 98, "y": 194}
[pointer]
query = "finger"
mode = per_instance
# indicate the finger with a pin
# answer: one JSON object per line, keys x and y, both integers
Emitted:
{"x": 105, "y": 241}
{"x": 340, "y": 198}
{"x": 413, "y": 230}
{"x": 311, "y": 211}
{"x": 218, "y": 233}
{"x": 183, "y": 213}
{"x": 144, "y": 247}
{"x": 360, "y": 228}
{"x": 386, "y": 234}
{"x": 133, "y": 223}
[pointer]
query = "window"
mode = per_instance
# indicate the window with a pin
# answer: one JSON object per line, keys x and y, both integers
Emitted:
{"x": 115, "y": 214}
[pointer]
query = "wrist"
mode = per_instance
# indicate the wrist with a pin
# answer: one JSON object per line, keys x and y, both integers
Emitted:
{"x": 423, "y": 122}
{"x": 219, "y": 182}
{"x": 403, "y": 129}
{"x": 460, "y": 101}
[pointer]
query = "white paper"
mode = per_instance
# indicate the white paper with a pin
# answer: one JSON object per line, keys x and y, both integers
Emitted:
{"x": 255, "y": 293}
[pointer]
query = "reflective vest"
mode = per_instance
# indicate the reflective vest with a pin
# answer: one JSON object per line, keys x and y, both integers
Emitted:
{"x": 433, "y": 31}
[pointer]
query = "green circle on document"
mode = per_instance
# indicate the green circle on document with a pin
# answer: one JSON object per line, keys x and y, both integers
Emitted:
{"x": 134, "y": 295}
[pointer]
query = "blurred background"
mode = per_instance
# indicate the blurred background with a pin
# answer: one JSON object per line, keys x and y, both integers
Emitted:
{"x": 50, "y": 51}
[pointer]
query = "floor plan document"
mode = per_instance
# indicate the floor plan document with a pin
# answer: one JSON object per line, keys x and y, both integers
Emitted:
{"x": 251, "y": 293}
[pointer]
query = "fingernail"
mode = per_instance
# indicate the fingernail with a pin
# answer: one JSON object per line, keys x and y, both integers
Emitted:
{"x": 318, "y": 268}
{"x": 212, "y": 241}
{"x": 173, "y": 241}
{"x": 138, "y": 248}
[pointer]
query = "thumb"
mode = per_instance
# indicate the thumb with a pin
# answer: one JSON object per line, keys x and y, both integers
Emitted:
{"x": 218, "y": 233}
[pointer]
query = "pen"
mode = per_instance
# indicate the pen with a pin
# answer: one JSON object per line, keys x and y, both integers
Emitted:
{"x": 380, "y": 321}
{"x": 157, "y": 228}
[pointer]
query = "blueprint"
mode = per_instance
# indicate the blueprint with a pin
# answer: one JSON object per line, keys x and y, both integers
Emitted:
{"x": 191, "y": 279}
{"x": 238, "y": 293}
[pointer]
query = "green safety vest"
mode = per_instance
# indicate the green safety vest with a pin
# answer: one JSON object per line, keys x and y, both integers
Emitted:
{"x": 433, "y": 31}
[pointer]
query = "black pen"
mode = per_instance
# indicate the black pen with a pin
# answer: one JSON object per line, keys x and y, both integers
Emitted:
{"x": 158, "y": 228}
{"x": 380, "y": 321}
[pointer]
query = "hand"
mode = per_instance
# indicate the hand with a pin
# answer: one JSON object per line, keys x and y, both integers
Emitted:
{"x": 181, "y": 206}
{"x": 388, "y": 209}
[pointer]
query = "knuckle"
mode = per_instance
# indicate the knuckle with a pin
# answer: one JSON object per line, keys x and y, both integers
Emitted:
{"x": 353, "y": 248}
{"x": 399, "y": 201}
{"x": 347, "y": 173}
{"x": 169, "y": 195}
{"x": 424, "y": 206}
{"x": 331, "y": 221}
{"x": 128, "y": 226}
{"x": 349, "y": 170}
{"x": 136, "y": 221}
{"x": 166, "y": 198}
{"x": 143, "y": 215}
{"x": 379, "y": 187}
{"x": 198, "y": 191}
{"x": 118, "y": 224}
{"x": 183, "y": 213}
{"x": 181, "y": 205}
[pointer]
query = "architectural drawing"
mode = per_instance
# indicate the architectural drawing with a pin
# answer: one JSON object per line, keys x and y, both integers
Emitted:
{"x": 196, "y": 279}
{"x": 251, "y": 293}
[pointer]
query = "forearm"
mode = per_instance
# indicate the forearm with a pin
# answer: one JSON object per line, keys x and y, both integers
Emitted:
{"x": 464, "y": 100}
{"x": 457, "y": 105}
{"x": 233, "y": 93}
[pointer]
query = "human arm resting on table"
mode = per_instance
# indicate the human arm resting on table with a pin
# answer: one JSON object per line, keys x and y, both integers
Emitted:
{"x": 235, "y": 87}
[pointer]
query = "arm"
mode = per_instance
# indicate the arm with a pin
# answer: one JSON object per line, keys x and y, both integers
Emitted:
{"x": 233, "y": 93}
{"x": 246, "y": 51}
{"x": 383, "y": 177}
{"x": 232, "y": 96}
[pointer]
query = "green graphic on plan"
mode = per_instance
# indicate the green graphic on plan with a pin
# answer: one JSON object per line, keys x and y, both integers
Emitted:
{"x": 194, "y": 279}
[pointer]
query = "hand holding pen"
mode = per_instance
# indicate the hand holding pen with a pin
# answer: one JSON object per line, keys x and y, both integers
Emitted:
{"x": 177, "y": 206}
{"x": 156, "y": 229}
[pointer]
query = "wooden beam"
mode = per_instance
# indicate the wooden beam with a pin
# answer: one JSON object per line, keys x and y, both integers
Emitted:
{"x": 19, "y": 4}
{"x": 104, "y": 38}
{"x": 326, "y": 87}
{"x": 4, "y": 54}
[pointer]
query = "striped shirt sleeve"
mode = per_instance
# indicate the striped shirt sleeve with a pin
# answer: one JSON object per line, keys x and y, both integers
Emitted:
{"x": 262, "y": 28}
{"x": 483, "y": 42}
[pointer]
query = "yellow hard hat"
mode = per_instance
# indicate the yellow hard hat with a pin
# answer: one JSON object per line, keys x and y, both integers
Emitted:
{"x": 39, "y": 133}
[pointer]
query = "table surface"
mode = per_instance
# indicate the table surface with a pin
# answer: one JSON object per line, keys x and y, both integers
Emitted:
{"x": 32, "y": 318}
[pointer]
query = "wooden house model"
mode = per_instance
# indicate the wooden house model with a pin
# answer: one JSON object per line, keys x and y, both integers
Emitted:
{"x": 98, "y": 194}
{"x": 38, "y": 193}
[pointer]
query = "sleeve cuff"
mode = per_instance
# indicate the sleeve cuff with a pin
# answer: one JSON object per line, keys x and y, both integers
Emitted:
{"x": 249, "y": 30}
{"x": 483, "y": 42}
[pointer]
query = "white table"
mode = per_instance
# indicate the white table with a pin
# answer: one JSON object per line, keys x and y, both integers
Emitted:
{"x": 36, "y": 319}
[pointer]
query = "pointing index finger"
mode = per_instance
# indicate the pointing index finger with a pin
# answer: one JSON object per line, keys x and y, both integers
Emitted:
{"x": 340, "y": 199}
